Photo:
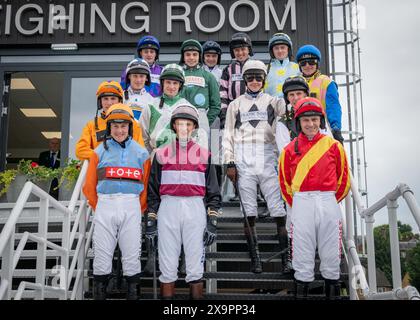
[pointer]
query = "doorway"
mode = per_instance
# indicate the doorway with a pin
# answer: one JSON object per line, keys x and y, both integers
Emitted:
{"x": 35, "y": 114}
{"x": 83, "y": 106}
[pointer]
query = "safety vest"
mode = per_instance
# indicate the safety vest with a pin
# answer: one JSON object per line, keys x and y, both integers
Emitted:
{"x": 318, "y": 85}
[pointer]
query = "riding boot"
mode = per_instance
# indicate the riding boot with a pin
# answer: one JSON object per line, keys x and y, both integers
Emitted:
{"x": 196, "y": 290}
{"x": 332, "y": 289}
{"x": 251, "y": 238}
{"x": 301, "y": 290}
{"x": 133, "y": 283}
{"x": 284, "y": 244}
{"x": 167, "y": 290}
{"x": 100, "y": 283}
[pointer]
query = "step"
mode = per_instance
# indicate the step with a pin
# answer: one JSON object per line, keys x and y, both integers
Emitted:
{"x": 220, "y": 296}
{"x": 240, "y": 220}
{"x": 236, "y": 204}
{"x": 250, "y": 276}
{"x": 247, "y": 276}
{"x": 238, "y": 286}
{"x": 240, "y": 237}
{"x": 240, "y": 256}
{"x": 222, "y": 235}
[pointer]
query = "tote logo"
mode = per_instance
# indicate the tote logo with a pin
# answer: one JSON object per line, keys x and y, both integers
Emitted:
{"x": 123, "y": 173}
{"x": 45, "y": 18}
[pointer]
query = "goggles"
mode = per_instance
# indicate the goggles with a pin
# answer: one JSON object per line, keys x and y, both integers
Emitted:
{"x": 311, "y": 62}
{"x": 252, "y": 77}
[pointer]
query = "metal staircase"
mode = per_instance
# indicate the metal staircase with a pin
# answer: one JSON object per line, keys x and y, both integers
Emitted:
{"x": 45, "y": 242}
{"x": 45, "y": 253}
{"x": 227, "y": 273}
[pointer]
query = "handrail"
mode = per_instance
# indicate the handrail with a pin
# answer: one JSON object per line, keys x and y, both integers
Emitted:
{"x": 407, "y": 293}
{"x": 28, "y": 188}
{"x": 3, "y": 288}
{"x": 11, "y": 256}
{"x": 389, "y": 201}
{"x": 356, "y": 274}
{"x": 36, "y": 286}
{"x": 79, "y": 223}
{"x": 78, "y": 187}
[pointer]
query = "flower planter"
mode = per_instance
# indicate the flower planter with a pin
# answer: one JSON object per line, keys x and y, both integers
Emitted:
{"x": 66, "y": 190}
{"x": 17, "y": 185}
{"x": 44, "y": 185}
{"x": 68, "y": 176}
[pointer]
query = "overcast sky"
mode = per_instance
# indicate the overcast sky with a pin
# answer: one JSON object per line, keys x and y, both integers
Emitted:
{"x": 390, "y": 45}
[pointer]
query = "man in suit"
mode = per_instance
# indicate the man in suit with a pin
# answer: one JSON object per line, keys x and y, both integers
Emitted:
{"x": 51, "y": 159}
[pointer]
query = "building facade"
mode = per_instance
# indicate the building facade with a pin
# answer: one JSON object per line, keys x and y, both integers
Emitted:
{"x": 53, "y": 54}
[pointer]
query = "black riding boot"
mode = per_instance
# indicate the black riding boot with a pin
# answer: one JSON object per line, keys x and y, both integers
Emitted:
{"x": 251, "y": 238}
{"x": 286, "y": 261}
{"x": 332, "y": 289}
{"x": 100, "y": 283}
{"x": 133, "y": 283}
{"x": 301, "y": 290}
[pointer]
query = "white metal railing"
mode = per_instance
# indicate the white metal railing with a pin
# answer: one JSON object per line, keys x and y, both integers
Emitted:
{"x": 66, "y": 271}
{"x": 357, "y": 277}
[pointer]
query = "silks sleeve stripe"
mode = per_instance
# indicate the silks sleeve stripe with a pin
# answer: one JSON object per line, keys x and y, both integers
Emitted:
{"x": 342, "y": 168}
{"x": 344, "y": 182}
{"x": 309, "y": 160}
{"x": 346, "y": 190}
{"x": 286, "y": 190}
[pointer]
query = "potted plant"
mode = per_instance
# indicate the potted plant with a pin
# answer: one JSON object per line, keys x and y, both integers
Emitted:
{"x": 67, "y": 178}
{"x": 27, "y": 170}
{"x": 6, "y": 179}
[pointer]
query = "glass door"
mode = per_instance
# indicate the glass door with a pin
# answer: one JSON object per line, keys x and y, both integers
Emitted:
{"x": 83, "y": 106}
{"x": 35, "y": 105}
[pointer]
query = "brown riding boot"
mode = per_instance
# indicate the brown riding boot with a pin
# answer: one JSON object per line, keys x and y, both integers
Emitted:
{"x": 167, "y": 290}
{"x": 196, "y": 290}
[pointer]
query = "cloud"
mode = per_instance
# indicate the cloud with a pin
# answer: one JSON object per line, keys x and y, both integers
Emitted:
{"x": 391, "y": 105}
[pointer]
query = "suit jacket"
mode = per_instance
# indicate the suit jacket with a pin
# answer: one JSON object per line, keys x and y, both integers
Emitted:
{"x": 45, "y": 160}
